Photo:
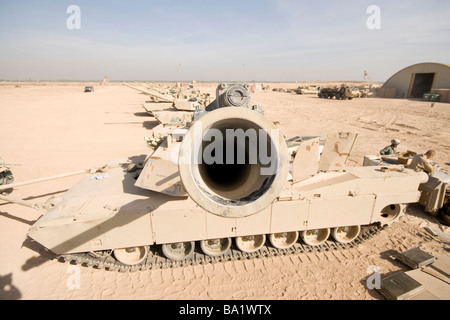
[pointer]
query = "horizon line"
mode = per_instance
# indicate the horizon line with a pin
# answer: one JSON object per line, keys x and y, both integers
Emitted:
{"x": 197, "y": 81}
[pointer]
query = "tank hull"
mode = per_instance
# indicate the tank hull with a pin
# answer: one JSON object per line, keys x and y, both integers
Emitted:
{"x": 107, "y": 211}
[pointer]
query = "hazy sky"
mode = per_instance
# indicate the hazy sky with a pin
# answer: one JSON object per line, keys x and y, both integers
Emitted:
{"x": 262, "y": 40}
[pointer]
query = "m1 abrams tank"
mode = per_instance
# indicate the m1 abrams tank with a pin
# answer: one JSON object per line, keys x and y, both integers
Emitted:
{"x": 227, "y": 186}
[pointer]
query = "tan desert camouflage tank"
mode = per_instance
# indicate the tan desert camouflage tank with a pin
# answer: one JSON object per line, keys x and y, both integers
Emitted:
{"x": 226, "y": 186}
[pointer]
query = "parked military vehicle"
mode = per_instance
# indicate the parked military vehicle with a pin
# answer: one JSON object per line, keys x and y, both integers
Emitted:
{"x": 226, "y": 186}
{"x": 6, "y": 176}
{"x": 341, "y": 93}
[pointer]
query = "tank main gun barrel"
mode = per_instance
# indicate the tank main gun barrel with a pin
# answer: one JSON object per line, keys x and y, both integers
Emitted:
{"x": 18, "y": 184}
{"x": 29, "y": 204}
{"x": 158, "y": 90}
{"x": 152, "y": 93}
{"x": 250, "y": 159}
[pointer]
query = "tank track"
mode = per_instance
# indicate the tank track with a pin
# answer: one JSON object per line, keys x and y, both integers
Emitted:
{"x": 156, "y": 259}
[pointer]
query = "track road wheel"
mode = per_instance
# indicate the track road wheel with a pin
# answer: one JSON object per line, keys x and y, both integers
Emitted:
{"x": 131, "y": 256}
{"x": 250, "y": 243}
{"x": 391, "y": 213}
{"x": 178, "y": 251}
{"x": 283, "y": 240}
{"x": 346, "y": 234}
{"x": 315, "y": 237}
{"x": 215, "y": 248}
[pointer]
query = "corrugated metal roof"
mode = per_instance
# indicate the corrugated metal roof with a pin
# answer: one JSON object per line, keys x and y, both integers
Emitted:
{"x": 402, "y": 80}
{"x": 418, "y": 64}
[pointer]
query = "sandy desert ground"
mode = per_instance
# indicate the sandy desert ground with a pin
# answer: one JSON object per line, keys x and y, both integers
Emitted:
{"x": 54, "y": 128}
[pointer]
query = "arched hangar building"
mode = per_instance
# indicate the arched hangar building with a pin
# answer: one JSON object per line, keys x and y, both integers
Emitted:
{"x": 419, "y": 79}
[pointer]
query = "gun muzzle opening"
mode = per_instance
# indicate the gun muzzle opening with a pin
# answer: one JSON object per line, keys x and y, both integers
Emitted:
{"x": 240, "y": 165}
{"x": 231, "y": 166}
